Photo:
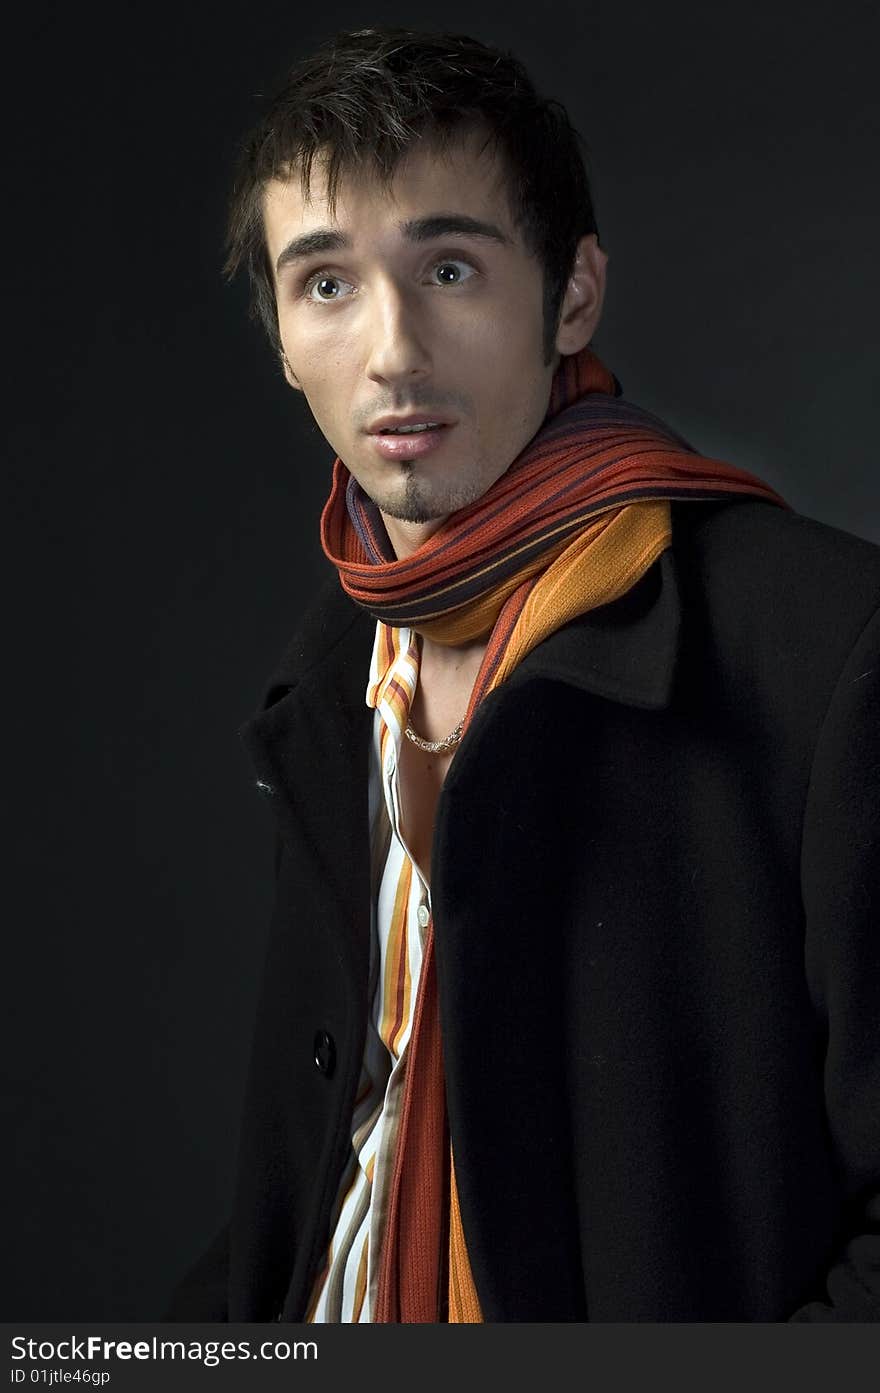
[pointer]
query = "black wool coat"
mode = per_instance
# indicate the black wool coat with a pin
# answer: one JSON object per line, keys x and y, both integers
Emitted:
{"x": 656, "y": 880}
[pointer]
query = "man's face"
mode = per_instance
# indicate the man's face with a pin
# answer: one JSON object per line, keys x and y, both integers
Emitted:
{"x": 413, "y": 306}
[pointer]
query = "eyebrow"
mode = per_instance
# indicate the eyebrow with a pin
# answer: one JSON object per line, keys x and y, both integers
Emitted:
{"x": 327, "y": 239}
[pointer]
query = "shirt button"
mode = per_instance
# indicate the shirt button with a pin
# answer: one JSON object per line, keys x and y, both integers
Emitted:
{"x": 423, "y": 914}
{"x": 325, "y": 1052}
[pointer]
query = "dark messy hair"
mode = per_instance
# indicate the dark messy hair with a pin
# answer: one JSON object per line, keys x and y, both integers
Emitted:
{"x": 362, "y": 101}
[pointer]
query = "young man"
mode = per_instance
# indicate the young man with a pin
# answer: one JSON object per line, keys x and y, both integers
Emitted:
{"x": 572, "y": 1002}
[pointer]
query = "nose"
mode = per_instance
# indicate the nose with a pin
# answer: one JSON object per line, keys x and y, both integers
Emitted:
{"x": 399, "y": 350}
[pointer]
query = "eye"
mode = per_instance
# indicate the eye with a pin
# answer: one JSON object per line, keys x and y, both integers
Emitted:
{"x": 453, "y": 272}
{"x": 323, "y": 288}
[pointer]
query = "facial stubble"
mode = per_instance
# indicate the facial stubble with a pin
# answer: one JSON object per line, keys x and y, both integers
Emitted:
{"x": 414, "y": 507}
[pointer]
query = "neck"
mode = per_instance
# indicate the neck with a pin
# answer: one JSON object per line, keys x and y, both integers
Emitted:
{"x": 446, "y": 679}
{"x": 451, "y": 661}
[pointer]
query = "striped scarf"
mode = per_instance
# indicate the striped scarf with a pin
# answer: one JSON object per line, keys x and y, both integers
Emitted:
{"x": 575, "y": 521}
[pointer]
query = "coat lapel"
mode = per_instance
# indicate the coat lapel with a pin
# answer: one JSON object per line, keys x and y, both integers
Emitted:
{"x": 498, "y": 937}
{"x": 309, "y": 747}
{"x": 626, "y": 651}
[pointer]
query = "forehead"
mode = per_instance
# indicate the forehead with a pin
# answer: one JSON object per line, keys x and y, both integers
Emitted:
{"x": 466, "y": 178}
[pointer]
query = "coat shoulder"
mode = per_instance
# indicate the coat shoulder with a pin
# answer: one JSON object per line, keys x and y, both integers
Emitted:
{"x": 328, "y": 620}
{"x": 777, "y": 543}
{"x": 768, "y": 568}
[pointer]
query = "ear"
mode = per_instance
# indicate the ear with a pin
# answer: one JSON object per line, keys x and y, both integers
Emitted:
{"x": 292, "y": 380}
{"x": 581, "y": 305}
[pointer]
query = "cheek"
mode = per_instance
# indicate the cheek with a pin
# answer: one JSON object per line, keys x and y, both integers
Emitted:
{"x": 329, "y": 417}
{"x": 518, "y": 398}
{"x": 321, "y": 390}
{"x": 314, "y": 350}
{"x": 515, "y": 348}
{"x": 321, "y": 372}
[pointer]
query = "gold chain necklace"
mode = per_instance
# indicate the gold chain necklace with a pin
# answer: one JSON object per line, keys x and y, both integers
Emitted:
{"x": 435, "y": 747}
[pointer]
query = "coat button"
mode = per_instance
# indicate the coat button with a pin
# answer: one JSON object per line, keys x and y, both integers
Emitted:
{"x": 325, "y": 1052}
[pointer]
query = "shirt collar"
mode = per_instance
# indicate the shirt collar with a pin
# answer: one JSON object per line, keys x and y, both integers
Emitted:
{"x": 394, "y": 675}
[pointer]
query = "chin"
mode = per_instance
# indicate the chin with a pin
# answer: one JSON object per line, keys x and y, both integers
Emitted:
{"x": 415, "y": 500}
{"x": 413, "y": 509}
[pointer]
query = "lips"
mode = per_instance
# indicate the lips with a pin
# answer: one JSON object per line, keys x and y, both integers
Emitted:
{"x": 409, "y": 445}
{"x": 411, "y": 430}
{"x": 407, "y": 424}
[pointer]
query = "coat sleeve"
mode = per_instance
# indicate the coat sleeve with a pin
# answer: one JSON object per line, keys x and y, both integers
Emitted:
{"x": 840, "y": 876}
{"x": 202, "y": 1294}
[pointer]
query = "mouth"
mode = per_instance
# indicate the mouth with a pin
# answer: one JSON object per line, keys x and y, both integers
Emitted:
{"x": 406, "y": 440}
{"x": 411, "y": 430}
{"x": 407, "y": 425}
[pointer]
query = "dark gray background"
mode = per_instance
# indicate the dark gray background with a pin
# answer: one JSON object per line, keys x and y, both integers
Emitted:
{"x": 166, "y": 487}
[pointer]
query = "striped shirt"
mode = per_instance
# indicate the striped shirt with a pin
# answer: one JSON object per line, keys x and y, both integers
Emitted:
{"x": 346, "y": 1288}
